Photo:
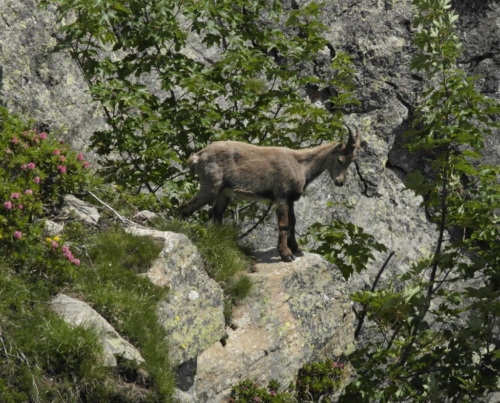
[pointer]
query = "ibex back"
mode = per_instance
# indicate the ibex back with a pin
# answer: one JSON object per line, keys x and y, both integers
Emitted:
{"x": 230, "y": 168}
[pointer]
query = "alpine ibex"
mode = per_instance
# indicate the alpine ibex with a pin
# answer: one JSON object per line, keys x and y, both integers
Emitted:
{"x": 230, "y": 168}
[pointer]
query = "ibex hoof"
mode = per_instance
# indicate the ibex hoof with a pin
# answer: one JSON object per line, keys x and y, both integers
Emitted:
{"x": 288, "y": 258}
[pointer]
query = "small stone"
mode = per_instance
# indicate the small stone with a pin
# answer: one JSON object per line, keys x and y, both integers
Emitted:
{"x": 193, "y": 295}
{"x": 53, "y": 228}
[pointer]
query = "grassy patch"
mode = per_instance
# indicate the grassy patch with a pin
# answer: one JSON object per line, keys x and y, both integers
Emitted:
{"x": 44, "y": 359}
{"x": 224, "y": 258}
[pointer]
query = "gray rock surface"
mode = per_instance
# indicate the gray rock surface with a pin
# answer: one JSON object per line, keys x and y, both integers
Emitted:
{"x": 193, "y": 312}
{"x": 297, "y": 313}
{"x": 45, "y": 86}
{"x": 79, "y": 313}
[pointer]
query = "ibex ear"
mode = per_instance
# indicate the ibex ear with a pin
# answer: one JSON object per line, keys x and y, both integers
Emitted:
{"x": 338, "y": 147}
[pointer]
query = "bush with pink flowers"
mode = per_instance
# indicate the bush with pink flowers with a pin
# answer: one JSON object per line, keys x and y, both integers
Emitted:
{"x": 36, "y": 170}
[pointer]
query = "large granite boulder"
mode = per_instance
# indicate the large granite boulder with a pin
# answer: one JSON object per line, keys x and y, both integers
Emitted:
{"x": 192, "y": 313}
{"x": 299, "y": 312}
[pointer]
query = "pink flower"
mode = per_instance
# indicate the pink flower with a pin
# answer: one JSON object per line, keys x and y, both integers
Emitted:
{"x": 15, "y": 140}
{"x": 23, "y": 167}
{"x": 75, "y": 261}
{"x": 31, "y": 165}
{"x": 26, "y": 145}
{"x": 28, "y": 192}
{"x": 8, "y": 151}
{"x": 86, "y": 165}
{"x": 14, "y": 195}
{"x": 57, "y": 152}
{"x": 62, "y": 158}
{"x": 37, "y": 179}
{"x": 61, "y": 169}
{"x": 65, "y": 249}
{"x": 80, "y": 157}
{"x": 54, "y": 245}
{"x": 69, "y": 255}
{"x": 43, "y": 135}
{"x": 18, "y": 234}
{"x": 20, "y": 206}
{"x": 8, "y": 205}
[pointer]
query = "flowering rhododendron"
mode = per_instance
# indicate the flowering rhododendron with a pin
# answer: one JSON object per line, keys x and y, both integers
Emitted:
{"x": 32, "y": 180}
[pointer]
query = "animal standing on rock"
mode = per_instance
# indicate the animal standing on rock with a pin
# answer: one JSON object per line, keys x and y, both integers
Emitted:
{"x": 228, "y": 169}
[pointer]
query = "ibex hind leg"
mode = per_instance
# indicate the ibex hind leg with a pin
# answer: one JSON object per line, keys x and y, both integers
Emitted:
{"x": 220, "y": 207}
{"x": 196, "y": 202}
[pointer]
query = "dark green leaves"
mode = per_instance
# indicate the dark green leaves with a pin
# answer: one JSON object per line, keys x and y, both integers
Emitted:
{"x": 175, "y": 75}
{"x": 345, "y": 245}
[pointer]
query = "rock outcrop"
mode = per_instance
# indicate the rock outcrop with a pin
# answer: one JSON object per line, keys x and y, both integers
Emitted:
{"x": 192, "y": 314}
{"x": 79, "y": 313}
{"x": 299, "y": 312}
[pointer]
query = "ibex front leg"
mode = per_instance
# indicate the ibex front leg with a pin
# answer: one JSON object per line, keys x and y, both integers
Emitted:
{"x": 282, "y": 213}
{"x": 291, "y": 241}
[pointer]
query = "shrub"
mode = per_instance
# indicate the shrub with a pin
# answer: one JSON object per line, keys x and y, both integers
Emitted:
{"x": 319, "y": 380}
{"x": 249, "y": 391}
{"x": 35, "y": 172}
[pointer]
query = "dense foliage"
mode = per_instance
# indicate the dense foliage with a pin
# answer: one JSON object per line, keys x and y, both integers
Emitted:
{"x": 316, "y": 382}
{"x": 163, "y": 100}
{"x": 440, "y": 332}
{"x": 42, "y": 358}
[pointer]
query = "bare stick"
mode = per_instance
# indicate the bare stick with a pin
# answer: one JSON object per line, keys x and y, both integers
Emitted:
{"x": 124, "y": 220}
{"x": 377, "y": 278}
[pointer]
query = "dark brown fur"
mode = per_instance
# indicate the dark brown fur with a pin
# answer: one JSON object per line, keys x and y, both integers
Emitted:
{"x": 230, "y": 168}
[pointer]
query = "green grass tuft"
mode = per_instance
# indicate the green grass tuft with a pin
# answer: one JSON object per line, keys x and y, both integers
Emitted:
{"x": 116, "y": 248}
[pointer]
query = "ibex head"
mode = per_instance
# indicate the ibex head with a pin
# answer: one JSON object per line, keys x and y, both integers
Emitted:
{"x": 343, "y": 155}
